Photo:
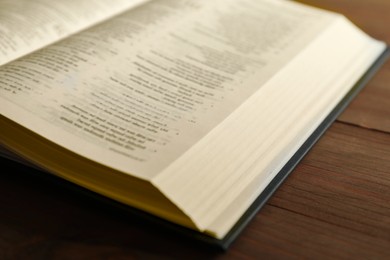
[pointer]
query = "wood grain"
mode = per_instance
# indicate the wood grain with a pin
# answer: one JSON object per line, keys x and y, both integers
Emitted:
{"x": 371, "y": 109}
{"x": 335, "y": 205}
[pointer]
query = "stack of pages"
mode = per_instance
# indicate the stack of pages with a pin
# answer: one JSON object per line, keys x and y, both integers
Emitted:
{"x": 192, "y": 111}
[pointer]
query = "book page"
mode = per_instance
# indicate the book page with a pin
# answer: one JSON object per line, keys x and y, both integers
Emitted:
{"x": 26, "y": 25}
{"x": 137, "y": 91}
{"x": 236, "y": 161}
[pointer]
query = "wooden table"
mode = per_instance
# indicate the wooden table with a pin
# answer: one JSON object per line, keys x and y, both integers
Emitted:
{"x": 335, "y": 205}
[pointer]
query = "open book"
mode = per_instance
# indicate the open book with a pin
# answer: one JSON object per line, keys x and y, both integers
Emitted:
{"x": 188, "y": 110}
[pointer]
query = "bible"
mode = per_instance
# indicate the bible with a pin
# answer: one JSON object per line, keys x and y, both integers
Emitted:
{"x": 190, "y": 112}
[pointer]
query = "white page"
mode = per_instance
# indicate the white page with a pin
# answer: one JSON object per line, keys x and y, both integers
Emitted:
{"x": 136, "y": 98}
{"x": 267, "y": 130}
{"x": 27, "y": 25}
{"x": 147, "y": 93}
{"x": 138, "y": 91}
